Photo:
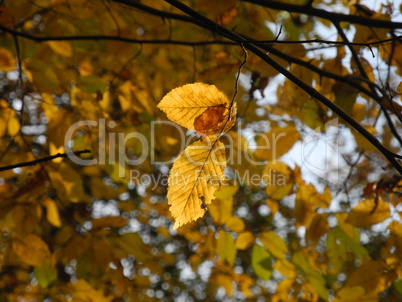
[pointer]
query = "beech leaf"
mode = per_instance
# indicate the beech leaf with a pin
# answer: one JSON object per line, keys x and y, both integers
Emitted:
{"x": 199, "y": 107}
{"x": 195, "y": 176}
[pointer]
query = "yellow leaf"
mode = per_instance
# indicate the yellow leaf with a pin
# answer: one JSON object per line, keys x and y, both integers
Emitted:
{"x": 223, "y": 280}
{"x": 62, "y": 48}
{"x": 367, "y": 213}
{"x": 133, "y": 98}
{"x": 54, "y": 150}
{"x": 307, "y": 200}
{"x": 7, "y": 60}
{"x": 245, "y": 282}
{"x": 284, "y": 290}
{"x": 227, "y": 192}
{"x": 68, "y": 183}
{"x": 274, "y": 244}
{"x": 275, "y": 143}
{"x": 273, "y": 206}
{"x": 82, "y": 291}
{"x": 286, "y": 268}
{"x": 244, "y": 240}
{"x": 352, "y": 293}
{"x": 235, "y": 224}
{"x": 3, "y": 126}
{"x": 85, "y": 68}
{"x": 278, "y": 177}
{"x": 221, "y": 210}
{"x": 399, "y": 89}
{"x": 31, "y": 249}
{"x": 13, "y": 125}
{"x": 200, "y": 107}
{"x": 52, "y": 213}
{"x": 196, "y": 174}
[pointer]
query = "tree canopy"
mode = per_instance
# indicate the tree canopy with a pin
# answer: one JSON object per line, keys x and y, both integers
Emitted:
{"x": 200, "y": 150}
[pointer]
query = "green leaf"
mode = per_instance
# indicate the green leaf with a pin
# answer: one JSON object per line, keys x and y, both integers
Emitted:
{"x": 261, "y": 262}
{"x": 92, "y": 84}
{"x": 226, "y": 247}
{"x": 312, "y": 275}
{"x": 45, "y": 274}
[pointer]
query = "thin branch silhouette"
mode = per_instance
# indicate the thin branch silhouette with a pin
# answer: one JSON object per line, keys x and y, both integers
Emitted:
{"x": 321, "y": 13}
{"x": 42, "y": 160}
{"x": 188, "y": 43}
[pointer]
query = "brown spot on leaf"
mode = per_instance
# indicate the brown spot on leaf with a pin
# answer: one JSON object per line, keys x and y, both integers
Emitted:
{"x": 210, "y": 119}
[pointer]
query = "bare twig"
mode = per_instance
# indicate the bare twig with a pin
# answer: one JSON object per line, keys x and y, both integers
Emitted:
{"x": 332, "y": 16}
{"x": 45, "y": 159}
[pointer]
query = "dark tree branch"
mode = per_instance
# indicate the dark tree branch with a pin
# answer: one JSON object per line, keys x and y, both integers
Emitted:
{"x": 218, "y": 29}
{"x": 156, "y": 12}
{"x": 42, "y": 160}
{"x": 262, "y": 44}
{"x": 334, "y": 17}
{"x": 352, "y": 50}
{"x": 351, "y": 82}
{"x": 185, "y": 43}
{"x": 371, "y": 84}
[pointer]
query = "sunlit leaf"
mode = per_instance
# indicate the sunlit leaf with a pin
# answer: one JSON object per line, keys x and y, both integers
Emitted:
{"x": 193, "y": 179}
{"x": 83, "y": 291}
{"x": 7, "y": 60}
{"x": 200, "y": 107}
{"x": 52, "y": 213}
{"x": 62, "y": 48}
